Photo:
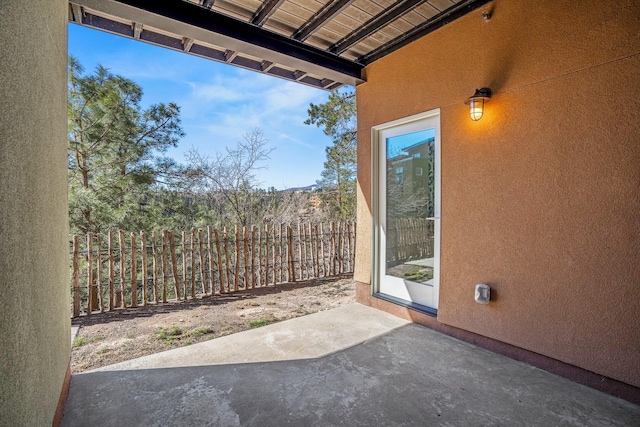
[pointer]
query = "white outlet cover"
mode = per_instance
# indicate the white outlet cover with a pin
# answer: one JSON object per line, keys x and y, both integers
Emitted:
{"x": 483, "y": 293}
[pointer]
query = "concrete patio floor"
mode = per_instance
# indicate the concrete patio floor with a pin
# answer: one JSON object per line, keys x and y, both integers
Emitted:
{"x": 350, "y": 366}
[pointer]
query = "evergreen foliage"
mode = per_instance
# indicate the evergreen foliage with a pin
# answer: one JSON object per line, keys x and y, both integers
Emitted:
{"x": 337, "y": 117}
{"x": 115, "y": 149}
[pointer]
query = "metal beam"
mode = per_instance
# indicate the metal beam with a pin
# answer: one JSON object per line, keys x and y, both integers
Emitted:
{"x": 208, "y": 3}
{"x": 230, "y": 55}
{"x": 137, "y": 30}
{"x": 374, "y": 24}
{"x": 319, "y": 18}
{"x": 299, "y": 75}
{"x": 187, "y": 43}
{"x": 77, "y": 13}
{"x": 443, "y": 18}
{"x": 263, "y": 13}
{"x": 326, "y": 83}
{"x": 266, "y": 66}
{"x": 191, "y": 20}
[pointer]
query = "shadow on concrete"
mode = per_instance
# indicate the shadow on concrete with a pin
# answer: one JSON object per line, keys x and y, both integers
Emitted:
{"x": 409, "y": 376}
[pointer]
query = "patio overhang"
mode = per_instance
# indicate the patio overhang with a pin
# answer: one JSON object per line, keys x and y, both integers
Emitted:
{"x": 320, "y": 44}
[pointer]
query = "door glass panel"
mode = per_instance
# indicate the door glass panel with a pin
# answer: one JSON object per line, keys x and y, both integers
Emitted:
{"x": 410, "y": 206}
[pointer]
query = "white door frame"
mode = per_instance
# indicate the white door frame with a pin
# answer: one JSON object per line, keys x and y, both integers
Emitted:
{"x": 427, "y": 120}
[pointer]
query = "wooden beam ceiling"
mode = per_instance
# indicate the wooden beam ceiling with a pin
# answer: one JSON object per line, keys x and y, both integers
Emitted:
{"x": 320, "y": 43}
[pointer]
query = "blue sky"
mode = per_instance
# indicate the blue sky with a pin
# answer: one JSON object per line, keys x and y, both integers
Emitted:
{"x": 219, "y": 102}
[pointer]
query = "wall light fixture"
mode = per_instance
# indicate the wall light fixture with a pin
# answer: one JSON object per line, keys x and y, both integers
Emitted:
{"x": 477, "y": 101}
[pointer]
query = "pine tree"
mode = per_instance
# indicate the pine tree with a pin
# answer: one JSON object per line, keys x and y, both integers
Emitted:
{"x": 114, "y": 149}
{"x": 337, "y": 117}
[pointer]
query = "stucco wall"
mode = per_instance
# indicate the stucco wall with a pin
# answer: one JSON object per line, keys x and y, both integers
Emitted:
{"x": 34, "y": 293}
{"x": 541, "y": 198}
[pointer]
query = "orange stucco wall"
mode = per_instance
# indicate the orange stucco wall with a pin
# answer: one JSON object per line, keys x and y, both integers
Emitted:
{"x": 541, "y": 198}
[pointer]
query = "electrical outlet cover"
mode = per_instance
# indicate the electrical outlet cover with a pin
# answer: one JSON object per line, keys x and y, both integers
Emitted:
{"x": 483, "y": 293}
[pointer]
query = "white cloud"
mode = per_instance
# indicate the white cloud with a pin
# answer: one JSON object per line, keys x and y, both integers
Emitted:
{"x": 228, "y": 106}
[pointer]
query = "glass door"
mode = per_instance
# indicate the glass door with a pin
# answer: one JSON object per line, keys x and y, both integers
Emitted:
{"x": 407, "y": 225}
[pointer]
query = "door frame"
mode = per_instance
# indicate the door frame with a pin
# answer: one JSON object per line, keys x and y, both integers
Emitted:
{"x": 376, "y": 267}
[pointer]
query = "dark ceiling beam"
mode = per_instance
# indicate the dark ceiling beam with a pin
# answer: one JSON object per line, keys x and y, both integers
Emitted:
{"x": 374, "y": 24}
{"x": 191, "y": 20}
{"x": 440, "y": 20}
{"x": 319, "y": 18}
{"x": 263, "y": 13}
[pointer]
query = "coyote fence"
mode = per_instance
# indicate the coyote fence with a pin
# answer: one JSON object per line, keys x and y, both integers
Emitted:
{"x": 128, "y": 270}
{"x": 408, "y": 240}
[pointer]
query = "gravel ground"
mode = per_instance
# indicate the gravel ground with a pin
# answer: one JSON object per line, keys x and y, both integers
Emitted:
{"x": 108, "y": 338}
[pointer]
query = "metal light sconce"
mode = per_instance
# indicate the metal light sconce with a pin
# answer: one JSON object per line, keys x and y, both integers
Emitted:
{"x": 477, "y": 101}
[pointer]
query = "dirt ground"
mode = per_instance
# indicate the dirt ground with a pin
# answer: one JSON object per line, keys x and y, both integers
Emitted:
{"x": 112, "y": 337}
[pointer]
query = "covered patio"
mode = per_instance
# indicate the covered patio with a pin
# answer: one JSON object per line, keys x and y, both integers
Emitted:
{"x": 352, "y": 365}
{"x": 538, "y": 201}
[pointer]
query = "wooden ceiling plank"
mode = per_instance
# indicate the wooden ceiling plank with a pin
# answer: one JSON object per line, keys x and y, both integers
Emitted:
{"x": 374, "y": 24}
{"x": 426, "y": 11}
{"x": 410, "y": 18}
{"x": 265, "y": 11}
{"x": 320, "y": 18}
{"x": 441, "y": 5}
{"x": 371, "y": 8}
{"x": 440, "y": 20}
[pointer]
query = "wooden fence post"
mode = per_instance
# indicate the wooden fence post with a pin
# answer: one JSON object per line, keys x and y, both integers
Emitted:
{"x": 193, "y": 263}
{"x": 266, "y": 255}
{"x": 321, "y": 262}
{"x": 174, "y": 265}
{"x": 314, "y": 249}
{"x": 143, "y": 249}
{"x": 236, "y": 276}
{"x": 227, "y": 265}
{"x": 203, "y": 267}
{"x": 99, "y": 263}
{"x": 165, "y": 270}
{"x": 76, "y": 278}
{"x": 185, "y": 280}
{"x": 220, "y": 266}
{"x": 120, "y": 299}
{"x": 245, "y": 246}
{"x": 260, "y": 252}
{"x": 301, "y": 262}
{"x": 134, "y": 272}
{"x": 339, "y": 241}
{"x": 112, "y": 273}
{"x": 282, "y": 253}
{"x": 291, "y": 254}
{"x": 212, "y": 282}
{"x": 353, "y": 253}
{"x": 253, "y": 256}
{"x": 90, "y": 295}
{"x": 154, "y": 254}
